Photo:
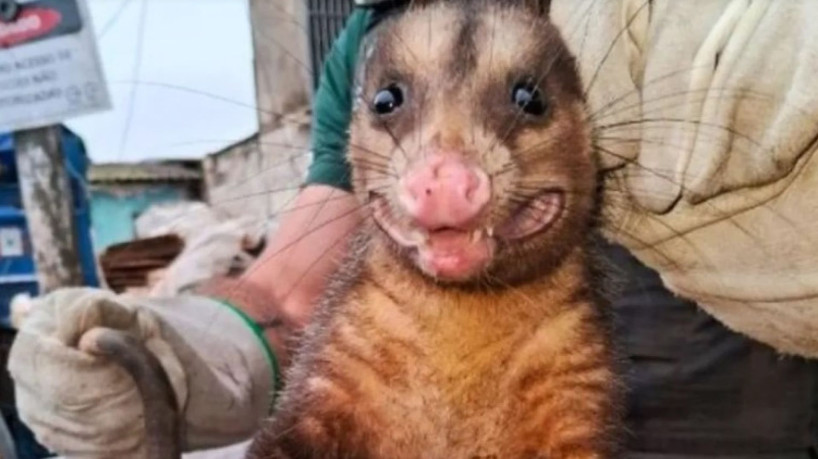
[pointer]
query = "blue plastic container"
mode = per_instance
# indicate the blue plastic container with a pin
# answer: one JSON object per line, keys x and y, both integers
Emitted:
{"x": 18, "y": 272}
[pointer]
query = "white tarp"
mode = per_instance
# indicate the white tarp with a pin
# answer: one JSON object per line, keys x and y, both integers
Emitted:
{"x": 214, "y": 243}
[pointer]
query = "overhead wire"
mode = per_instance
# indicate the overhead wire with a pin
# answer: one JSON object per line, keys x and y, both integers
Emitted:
{"x": 114, "y": 18}
{"x": 140, "y": 38}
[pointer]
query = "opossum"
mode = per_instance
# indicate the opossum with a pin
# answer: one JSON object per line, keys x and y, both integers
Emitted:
{"x": 467, "y": 321}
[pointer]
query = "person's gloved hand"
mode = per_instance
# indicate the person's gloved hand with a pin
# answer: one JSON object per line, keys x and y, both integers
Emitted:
{"x": 83, "y": 406}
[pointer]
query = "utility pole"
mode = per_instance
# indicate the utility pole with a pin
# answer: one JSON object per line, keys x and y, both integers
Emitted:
{"x": 49, "y": 207}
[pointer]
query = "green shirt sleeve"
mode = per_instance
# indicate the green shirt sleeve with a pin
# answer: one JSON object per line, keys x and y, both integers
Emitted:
{"x": 332, "y": 106}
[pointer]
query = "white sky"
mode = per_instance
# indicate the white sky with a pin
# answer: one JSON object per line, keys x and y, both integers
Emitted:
{"x": 188, "y": 47}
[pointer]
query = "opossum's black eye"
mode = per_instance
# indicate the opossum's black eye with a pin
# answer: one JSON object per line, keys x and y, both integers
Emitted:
{"x": 387, "y": 100}
{"x": 527, "y": 96}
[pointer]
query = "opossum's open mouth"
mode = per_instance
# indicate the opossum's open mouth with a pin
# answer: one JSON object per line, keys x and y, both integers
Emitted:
{"x": 458, "y": 254}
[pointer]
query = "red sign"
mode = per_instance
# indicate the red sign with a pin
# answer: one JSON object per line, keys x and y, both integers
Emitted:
{"x": 31, "y": 23}
{"x": 39, "y": 20}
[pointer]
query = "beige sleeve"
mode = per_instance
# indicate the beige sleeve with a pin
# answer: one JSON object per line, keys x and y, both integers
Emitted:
{"x": 231, "y": 375}
{"x": 706, "y": 117}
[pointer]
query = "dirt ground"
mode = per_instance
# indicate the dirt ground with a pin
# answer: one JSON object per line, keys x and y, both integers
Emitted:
{"x": 233, "y": 452}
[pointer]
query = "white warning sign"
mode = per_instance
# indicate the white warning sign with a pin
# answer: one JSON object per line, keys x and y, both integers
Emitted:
{"x": 49, "y": 65}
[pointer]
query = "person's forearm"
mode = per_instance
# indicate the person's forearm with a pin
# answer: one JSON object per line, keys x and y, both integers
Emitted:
{"x": 306, "y": 249}
{"x": 281, "y": 288}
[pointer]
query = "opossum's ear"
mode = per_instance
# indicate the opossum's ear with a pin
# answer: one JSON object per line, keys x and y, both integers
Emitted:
{"x": 541, "y": 7}
{"x": 421, "y": 3}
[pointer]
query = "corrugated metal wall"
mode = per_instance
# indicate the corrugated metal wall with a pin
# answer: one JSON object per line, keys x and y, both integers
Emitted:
{"x": 326, "y": 19}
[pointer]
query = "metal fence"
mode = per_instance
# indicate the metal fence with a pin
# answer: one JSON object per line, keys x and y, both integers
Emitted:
{"x": 326, "y": 19}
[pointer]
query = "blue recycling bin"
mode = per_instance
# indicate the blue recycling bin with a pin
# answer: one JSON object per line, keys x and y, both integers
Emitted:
{"x": 18, "y": 270}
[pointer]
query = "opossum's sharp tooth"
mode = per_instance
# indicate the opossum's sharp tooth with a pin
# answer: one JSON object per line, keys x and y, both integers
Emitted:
{"x": 476, "y": 235}
{"x": 490, "y": 231}
{"x": 420, "y": 236}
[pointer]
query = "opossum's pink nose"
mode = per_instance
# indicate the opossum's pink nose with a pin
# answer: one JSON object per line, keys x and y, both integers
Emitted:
{"x": 444, "y": 191}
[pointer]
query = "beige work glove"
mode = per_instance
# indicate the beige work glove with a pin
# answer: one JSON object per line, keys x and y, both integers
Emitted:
{"x": 80, "y": 405}
{"x": 706, "y": 117}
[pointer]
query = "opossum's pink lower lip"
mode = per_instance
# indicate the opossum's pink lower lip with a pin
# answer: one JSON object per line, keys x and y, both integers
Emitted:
{"x": 454, "y": 254}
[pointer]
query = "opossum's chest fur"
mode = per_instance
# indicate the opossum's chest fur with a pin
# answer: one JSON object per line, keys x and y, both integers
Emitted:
{"x": 466, "y": 323}
{"x": 396, "y": 367}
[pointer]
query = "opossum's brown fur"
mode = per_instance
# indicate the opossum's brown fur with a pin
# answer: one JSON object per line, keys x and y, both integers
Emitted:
{"x": 517, "y": 363}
